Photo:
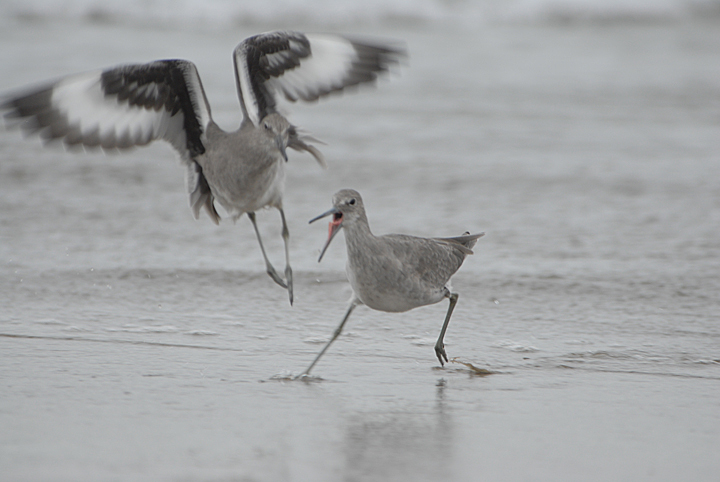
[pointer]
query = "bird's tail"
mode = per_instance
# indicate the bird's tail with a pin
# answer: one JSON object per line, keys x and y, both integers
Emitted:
{"x": 200, "y": 193}
{"x": 464, "y": 243}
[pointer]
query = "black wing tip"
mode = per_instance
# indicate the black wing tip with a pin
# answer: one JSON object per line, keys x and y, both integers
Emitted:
{"x": 30, "y": 110}
{"x": 389, "y": 51}
{"x": 374, "y": 58}
{"x": 27, "y": 102}
{"x": 161, "y": 84}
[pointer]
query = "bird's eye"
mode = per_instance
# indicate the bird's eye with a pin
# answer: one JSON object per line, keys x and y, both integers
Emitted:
{"x": 267, "y": 126}
{"x": 351, "y": 202}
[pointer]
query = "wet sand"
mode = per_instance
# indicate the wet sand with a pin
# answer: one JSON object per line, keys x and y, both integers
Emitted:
{"x": 139, "y": 344}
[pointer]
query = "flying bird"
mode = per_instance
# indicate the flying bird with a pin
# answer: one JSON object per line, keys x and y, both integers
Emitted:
{"x": 244, "y": 171}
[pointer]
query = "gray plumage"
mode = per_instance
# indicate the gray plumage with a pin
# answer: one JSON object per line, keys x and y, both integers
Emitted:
{"x": 244, "y": 170}
{"x": 394, "y": 272}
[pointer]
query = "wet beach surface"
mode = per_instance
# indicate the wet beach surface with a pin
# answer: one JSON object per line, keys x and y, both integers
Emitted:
{"x": 137, "y": 343}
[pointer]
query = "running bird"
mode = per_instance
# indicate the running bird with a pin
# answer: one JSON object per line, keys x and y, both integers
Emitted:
{"x": 394, "y": 272}
{"x": 244, "y": 170}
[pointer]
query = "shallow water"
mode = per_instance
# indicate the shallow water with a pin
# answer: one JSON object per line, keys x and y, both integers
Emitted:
{"x": 140, "y": 344}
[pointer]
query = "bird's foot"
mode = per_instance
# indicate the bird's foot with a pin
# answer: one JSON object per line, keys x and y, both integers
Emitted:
{"x": 275, "y": 277}
{"x": 440, "y": 352}
{"x": 288, "y": 277}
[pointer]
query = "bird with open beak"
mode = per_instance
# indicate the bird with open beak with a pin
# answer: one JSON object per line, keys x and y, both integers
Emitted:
{"x": 394, "y": 272}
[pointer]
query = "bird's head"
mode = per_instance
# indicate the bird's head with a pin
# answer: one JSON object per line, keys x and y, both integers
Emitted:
{"x": 277, "y": 128}
{"x": 347, "y": 209}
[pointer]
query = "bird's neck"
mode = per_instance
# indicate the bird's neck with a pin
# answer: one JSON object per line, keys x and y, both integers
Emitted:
{"x": 358, "y": 233}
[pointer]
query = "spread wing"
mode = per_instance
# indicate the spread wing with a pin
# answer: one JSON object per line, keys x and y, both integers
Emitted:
{"x": 303, "y": 66}
{"x": 118, "y": 108}
{"x": 123, "y": 107}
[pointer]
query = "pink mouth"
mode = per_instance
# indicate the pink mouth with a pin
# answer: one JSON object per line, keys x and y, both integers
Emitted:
{"x": 334, "y": 225}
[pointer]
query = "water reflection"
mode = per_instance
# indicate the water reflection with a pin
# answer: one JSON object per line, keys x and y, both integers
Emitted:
{"x": 411, "y": 444}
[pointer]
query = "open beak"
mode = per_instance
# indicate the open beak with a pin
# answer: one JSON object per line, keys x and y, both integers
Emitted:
{"x": 333, "y": 229}
{"x": 281, "y": 146}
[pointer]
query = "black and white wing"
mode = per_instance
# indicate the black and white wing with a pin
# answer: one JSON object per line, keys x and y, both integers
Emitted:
{"x": 303, "y": 66}
{"x": 117, "y": 108}
{"x": 123, "y": 107}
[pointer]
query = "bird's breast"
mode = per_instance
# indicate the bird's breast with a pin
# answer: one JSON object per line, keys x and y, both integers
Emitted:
{"x": 245, "y": 180}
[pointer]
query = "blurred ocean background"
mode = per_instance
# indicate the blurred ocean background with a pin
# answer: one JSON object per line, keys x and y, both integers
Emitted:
{"x": 345, "y": 13}
{"x": 583, "y": 136}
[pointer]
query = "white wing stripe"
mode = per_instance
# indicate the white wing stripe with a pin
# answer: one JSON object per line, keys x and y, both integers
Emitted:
{"x": 88, "y": 110}
{"x": 327, "y": 67}
{"x": 303, "y": 66}
{"x": 120, "y": 107}
{"x": 197, "y": 96}
{"x": 248, "y": 97}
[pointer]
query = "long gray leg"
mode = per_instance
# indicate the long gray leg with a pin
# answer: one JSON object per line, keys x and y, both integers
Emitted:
{"x": 353, "y": 303}
{"x": 440, "y": 344}
{"x": 269, "y": 267}
{"x": 288, "y": 269}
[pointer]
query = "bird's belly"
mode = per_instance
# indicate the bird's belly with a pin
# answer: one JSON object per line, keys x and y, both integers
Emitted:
{"x": 249, "y": 193}
{"x": 384, "y": 302}
{"x": 393, "y": 296}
